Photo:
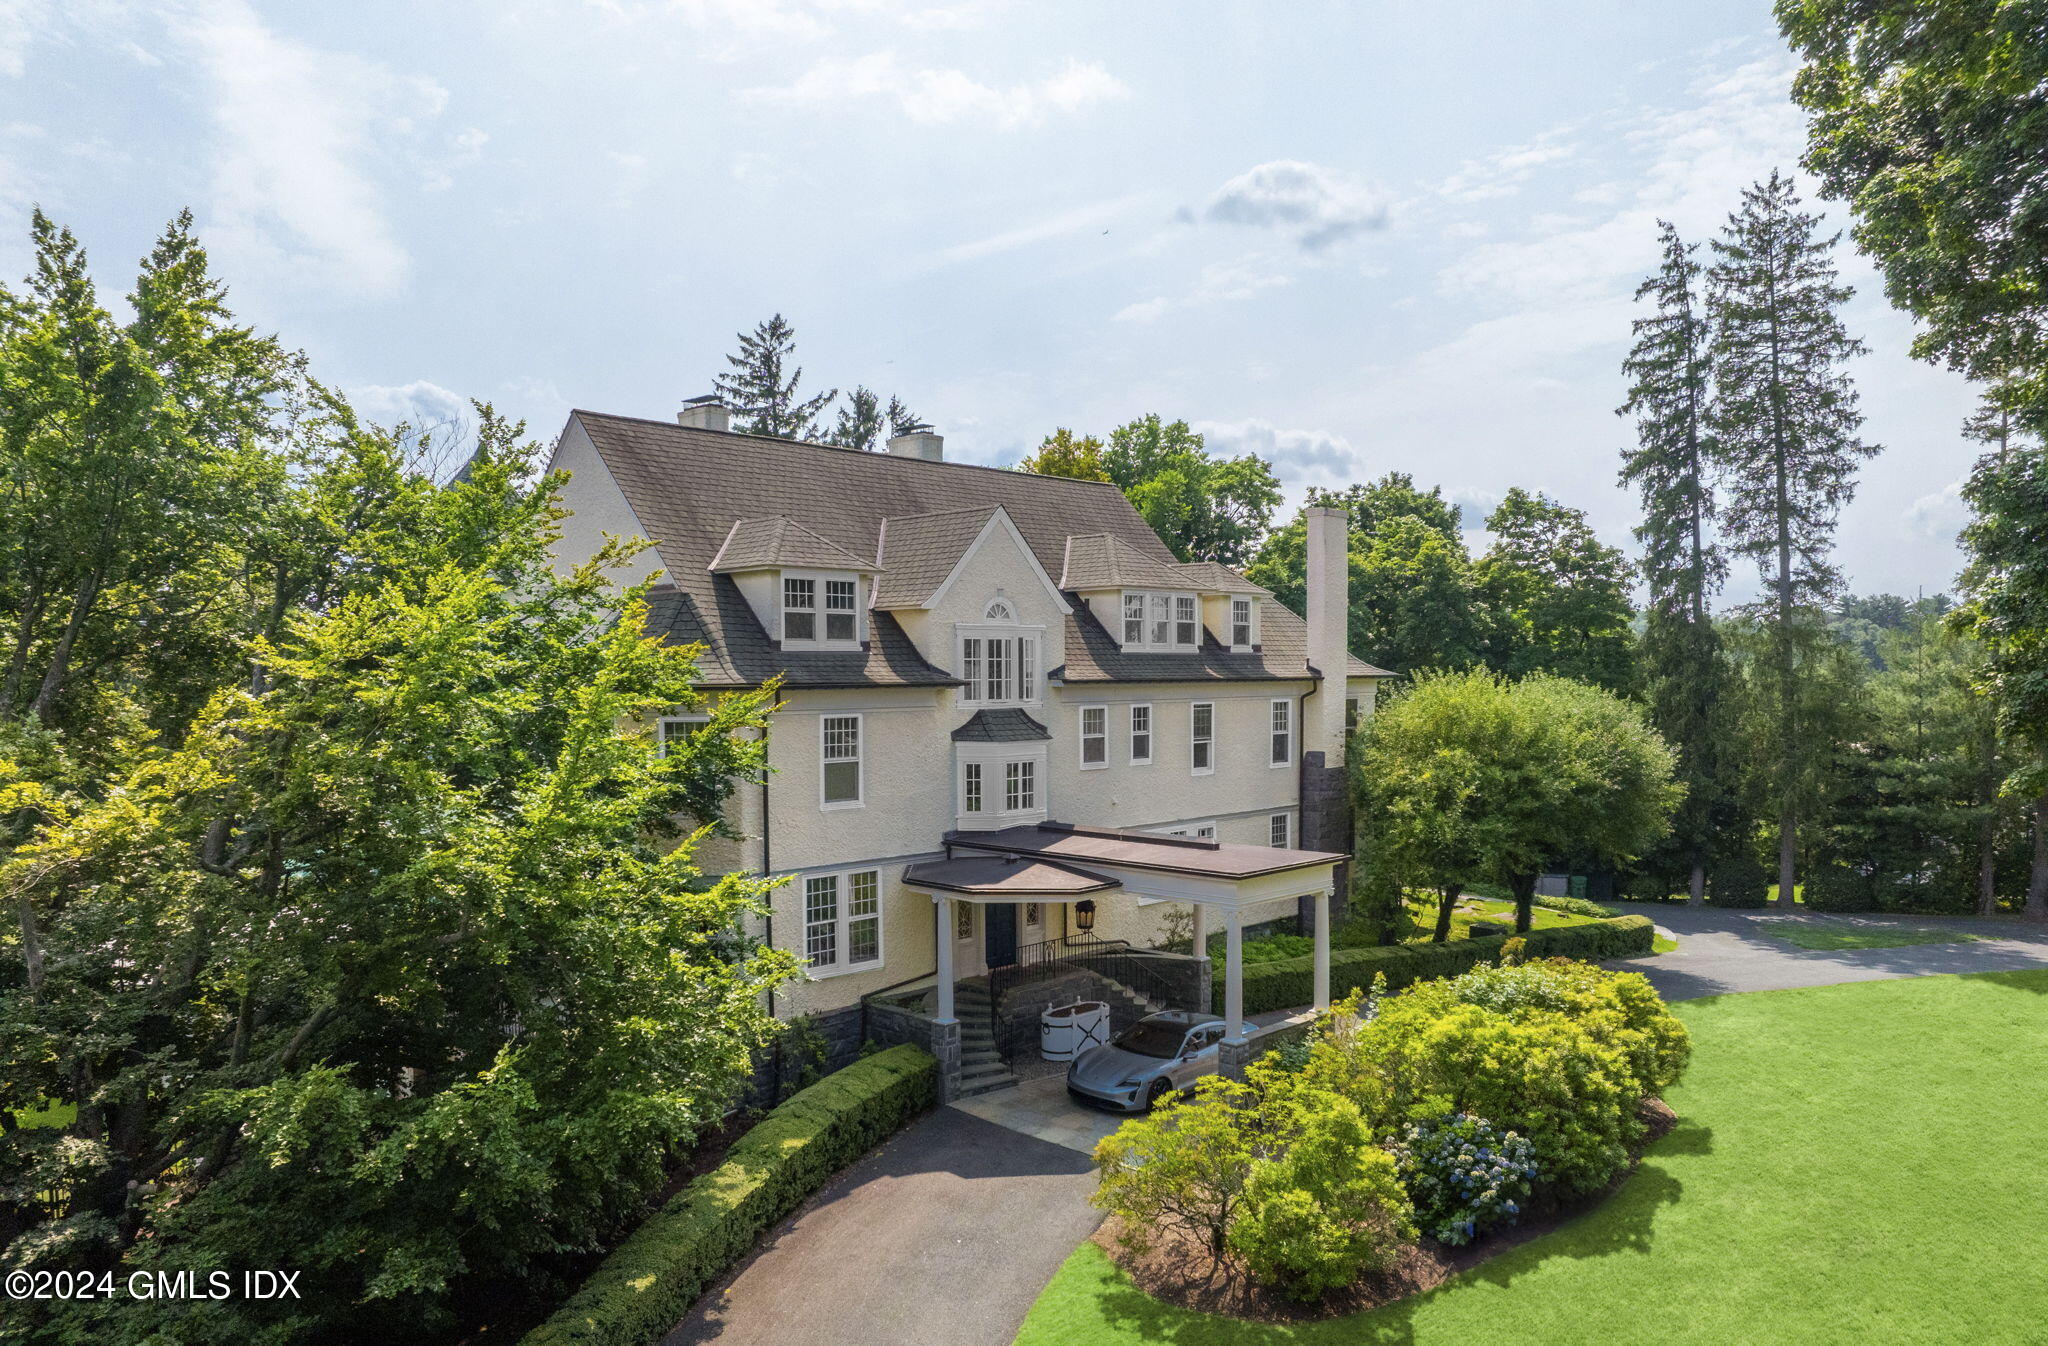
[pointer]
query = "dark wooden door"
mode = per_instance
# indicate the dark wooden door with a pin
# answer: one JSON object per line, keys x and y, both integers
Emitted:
{"x": 999, "y": 934}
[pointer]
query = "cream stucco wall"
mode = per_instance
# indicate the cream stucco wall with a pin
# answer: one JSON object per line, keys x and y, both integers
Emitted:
{"x": 597, "y": 508}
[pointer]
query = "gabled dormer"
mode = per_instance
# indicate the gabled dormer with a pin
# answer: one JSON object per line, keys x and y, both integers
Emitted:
{"x": 809, "y": 593}
{"x": 1161, "y": 607}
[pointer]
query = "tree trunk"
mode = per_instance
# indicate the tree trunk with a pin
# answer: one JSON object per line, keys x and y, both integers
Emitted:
{"x": 2037, "y": 882}
{"x": 1447, "y": 898}
{"x": 82, "y": 605}
{"x": 1696, "y": 893}
{"x": 1788, "y": 848}
{"x": 1523, "y": 886}
{"x": 1987, "y": 863}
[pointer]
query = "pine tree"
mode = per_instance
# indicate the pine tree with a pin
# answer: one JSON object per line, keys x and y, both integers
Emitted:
{"x": 1784, "y": 422}
{"x": 863, "y": 418}
{"x": 1685, "y": 670}
{"x": 766, "y": 397}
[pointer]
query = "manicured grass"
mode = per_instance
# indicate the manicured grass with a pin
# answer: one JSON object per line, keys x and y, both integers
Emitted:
{"x": 1663, "y": 944}
{"x": 1853, "y": 1165}
{"x": 1812, "y": 935}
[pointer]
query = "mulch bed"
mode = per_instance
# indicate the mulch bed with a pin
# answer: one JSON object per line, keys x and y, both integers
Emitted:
{"x": 1179, "y": 1270}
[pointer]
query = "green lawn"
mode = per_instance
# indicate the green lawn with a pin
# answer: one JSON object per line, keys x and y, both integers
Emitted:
{"x": 1855, "y": 1164}
{"x": 1812, "y": 935}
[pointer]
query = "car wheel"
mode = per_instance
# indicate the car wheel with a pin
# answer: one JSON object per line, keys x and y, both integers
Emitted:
{"x": 1157, "y": 1093}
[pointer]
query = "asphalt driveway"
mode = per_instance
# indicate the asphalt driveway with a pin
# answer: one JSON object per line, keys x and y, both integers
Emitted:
{"x": 1721, "y": 951}
{"x": 942, "y": 1237}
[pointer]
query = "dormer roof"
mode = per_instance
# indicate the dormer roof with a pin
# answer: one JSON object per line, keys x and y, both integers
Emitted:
{"x": 1098, "y": 561}
{"x": 779, "y": 542}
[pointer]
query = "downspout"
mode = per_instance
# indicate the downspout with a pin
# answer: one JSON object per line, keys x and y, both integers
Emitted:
{"x": 766, "y": 869}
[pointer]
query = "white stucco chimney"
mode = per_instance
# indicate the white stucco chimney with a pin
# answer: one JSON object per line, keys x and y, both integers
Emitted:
{"x": 920, "y": 441}
{"x": 1329, "y": 613}
{"x": 705, "y": 413}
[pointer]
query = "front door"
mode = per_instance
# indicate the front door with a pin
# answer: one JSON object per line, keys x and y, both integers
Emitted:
{"x": 999, "y": 934}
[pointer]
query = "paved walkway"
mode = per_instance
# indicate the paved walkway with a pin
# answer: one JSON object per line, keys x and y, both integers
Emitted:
{"x": 942, "y": 1237}
{"x": 1721, "y": 951}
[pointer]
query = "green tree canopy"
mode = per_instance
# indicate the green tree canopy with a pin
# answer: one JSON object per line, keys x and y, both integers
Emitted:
{"x": 1556, "y": 596}
{"x": 1065, "y": 454}
{"x": 1204, "y": 508}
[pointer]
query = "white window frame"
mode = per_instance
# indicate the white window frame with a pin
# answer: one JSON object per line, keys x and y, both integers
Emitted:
{"x": 973, "y": 789}
{"x": 851, "y": 612}
{"x": 1195, "y": 765}
{"x": 1157, "y": 615}
{"x": 1034, "y": 916}
{"x": 1280, "y": 831}
{"x": 840, "y": 924}
{"x": 1100, "y": 736}
{"x": 1149, "y": 733}
{"x": 662, "y": 734}
{"x": 819, "y": 609}
{"x": 859, "y": 759}
{"x": 1280, "y": 732}
{"x": 1024, "y": 769}
{"x": 974, "y": 647}
{"x": 1351, "y": 714}
{"x": 1250, "y": 623}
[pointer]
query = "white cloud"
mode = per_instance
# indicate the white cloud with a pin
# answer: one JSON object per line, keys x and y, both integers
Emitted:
{"x": 1318, "y": 206}
{"x": 1503, "y": 172}
{"x": 21, "y": 22}
{"x": 1218, "y": 284}
{"x": 292, "y": 190}
{"x": 937, "y": 97}
{"x": 420, "y": 404}
{"x": 1313, "y": 453}
{"x": 1941, "y": 515}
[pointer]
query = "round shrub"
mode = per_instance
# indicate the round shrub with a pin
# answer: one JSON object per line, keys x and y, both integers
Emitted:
{"x": 1621, "y": 1007}
{"x": 1324, "y": 1210}
{"x": 1464, "y": 1176}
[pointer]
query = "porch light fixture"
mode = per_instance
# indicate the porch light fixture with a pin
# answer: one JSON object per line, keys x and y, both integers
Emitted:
{"x": 1084, "y": 915}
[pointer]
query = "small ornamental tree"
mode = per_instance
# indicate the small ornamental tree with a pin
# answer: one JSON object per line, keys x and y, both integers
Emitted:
{"x": 1327, "y": 1209}
{"x": 1181, "y": 1167}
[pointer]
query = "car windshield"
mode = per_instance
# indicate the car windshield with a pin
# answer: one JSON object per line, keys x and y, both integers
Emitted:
{"x": 1148, "y": 1037}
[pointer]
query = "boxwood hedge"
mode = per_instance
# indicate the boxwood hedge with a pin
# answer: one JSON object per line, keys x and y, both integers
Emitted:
{"x": 650, "y": 1281}
{"x": 1289, "y": 983}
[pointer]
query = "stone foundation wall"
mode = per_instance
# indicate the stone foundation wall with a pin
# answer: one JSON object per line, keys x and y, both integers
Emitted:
{"x": 1325, "y": 826}
{"x": 889, "y": 1025}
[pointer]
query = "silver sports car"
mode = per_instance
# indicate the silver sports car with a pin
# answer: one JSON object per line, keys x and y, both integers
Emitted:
{"x": 1158, "y": 1055}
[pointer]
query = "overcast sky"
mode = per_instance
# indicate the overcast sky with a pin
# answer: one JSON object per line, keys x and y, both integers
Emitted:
{"x": 1352, "y": 237}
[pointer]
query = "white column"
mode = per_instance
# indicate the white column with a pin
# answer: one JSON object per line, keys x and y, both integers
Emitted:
{"x": 1200, "y": 948}
{"x": 942, "y": 912}
{"x": 1233, "y": 977}
{"x": 1322, "y": 988}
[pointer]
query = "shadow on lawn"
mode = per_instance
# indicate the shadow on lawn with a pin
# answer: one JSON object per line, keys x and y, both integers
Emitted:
{"x": 1624, "y": 1222}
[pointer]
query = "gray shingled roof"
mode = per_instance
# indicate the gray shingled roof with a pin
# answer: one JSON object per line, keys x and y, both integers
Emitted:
{"x": 1106, "y": 561}
{"x": 918, "y": 552}
{"x": 1216, "y": 578}
{"x": 688, "y": 487}
{"x": 1001, "y": 726}
{"x": 773, "y": 543}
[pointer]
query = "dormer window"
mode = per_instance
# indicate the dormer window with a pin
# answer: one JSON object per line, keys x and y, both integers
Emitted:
{"x": 1242, "y": 633}
{"x": 1161, "y": 621}
{"x": 820, "y": 609}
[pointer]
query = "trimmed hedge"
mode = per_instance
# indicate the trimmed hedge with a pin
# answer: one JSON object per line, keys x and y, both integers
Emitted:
{"x": 1289, "y": 983}
{"x": 645, "y": 1287}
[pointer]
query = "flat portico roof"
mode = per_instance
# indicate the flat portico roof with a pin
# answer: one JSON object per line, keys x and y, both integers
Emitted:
{"x": 1008, "y": 878}
{"x": 1075, "y": 845}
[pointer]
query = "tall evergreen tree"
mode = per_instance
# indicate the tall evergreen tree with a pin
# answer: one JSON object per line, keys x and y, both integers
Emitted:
{"x": 763, "y": 387}
{"x": 1784, "y": 422}
{"x": 1685, "y": 670}
{"x": 862, "y": 421}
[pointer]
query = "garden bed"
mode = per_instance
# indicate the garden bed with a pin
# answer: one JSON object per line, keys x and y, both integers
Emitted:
{"x": 1180, "y": 1270}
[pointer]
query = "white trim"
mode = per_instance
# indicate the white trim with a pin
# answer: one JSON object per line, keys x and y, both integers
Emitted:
{"x": 1251, "y": 624}
{"x": 820, "y": 581}
{"x": 1172, "y": 601}
{"x": 1285, "y": 830}
{"x": 1000, "y": 516}
{"x": 661, "y": 729}
{"x": 1150, "y": 731}
{"x": 1275, "y": 730}
{"x": 1082, "y": 735}
{"x": 842, "y": 923}
{"x": 1027, "y": 652}
{"x": 1209, "y": 770}
{"x": 860, "y": 760}
{"x": 993, "y": 760}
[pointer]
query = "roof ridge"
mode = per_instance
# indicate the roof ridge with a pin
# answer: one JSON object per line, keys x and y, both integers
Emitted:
{"x": 940, "y": 513}
{"x": 840, "y": 448}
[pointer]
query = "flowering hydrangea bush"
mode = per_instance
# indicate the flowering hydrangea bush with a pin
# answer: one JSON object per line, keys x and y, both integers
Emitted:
{"x": 1463, "y": 1175}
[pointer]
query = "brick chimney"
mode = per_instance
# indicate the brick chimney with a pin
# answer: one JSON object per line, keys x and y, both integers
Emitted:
{"x": 919, "y": 441}
{"x": 1325, "y": 789}
{"x": 705, "y": 413}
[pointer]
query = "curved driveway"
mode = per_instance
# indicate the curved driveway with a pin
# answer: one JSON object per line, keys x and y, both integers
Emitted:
{"x": 946, "y": 1234}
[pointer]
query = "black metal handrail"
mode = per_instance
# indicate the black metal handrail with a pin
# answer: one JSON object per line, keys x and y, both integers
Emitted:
{"x": 1140, "y": 970}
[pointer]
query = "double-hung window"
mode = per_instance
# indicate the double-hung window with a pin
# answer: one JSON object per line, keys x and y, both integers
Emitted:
{"x": 1202, "y": 738}
{"x": 839, "y": 615}
{"x": 1158, "y": 605}
{"x": 675, "y": 729}
{"x": 1280, "y": 830}
{"x": 843, "y": 921}
{"x": 1240, "y": 623}
{"x": 1185, "y": 628}
{"x": 1141, "y": 735}
{"x": 799, "y": 608}
{"x": 1094, "y": 737}
{"x": 1161, "y": 621}
{"x": 1134, "y": 619}
{"x": 840, "y": 739}
{"x": 1283, "y": 733}
{"x": 970, "y": 788}
{"x": 1020, "y": 786}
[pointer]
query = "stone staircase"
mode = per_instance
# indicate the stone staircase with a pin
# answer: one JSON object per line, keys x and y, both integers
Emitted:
{"x": 982, "y": 1069}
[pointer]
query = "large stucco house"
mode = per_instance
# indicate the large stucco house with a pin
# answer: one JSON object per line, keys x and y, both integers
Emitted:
{"x": 1015, "y": 734}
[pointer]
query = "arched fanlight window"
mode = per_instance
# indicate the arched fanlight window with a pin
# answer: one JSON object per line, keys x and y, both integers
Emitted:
{"x": 1000, "y": 611}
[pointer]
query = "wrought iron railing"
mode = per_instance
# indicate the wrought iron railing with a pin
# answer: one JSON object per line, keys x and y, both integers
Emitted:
{"x": 1149, "y": 972}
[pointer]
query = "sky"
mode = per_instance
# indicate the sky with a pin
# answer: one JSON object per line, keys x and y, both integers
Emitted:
{"x": 1354, "y": 238}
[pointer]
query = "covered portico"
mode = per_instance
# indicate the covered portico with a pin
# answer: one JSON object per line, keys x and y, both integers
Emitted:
{"x": 1062, "y": 863}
